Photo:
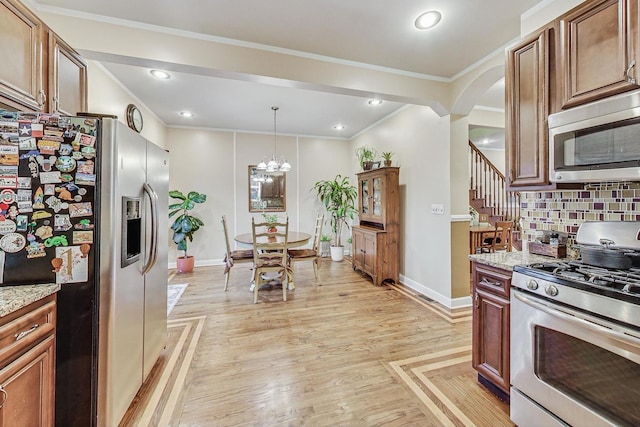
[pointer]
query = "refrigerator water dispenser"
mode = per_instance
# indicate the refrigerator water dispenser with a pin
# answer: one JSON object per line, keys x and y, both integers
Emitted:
{"x": 131, "y": 231}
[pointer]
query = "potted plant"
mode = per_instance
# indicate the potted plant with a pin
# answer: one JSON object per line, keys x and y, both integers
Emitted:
{"x": 387, "y": 157}
{"x": 185, "y": 225}
{"x": 366, "y": 155}
{"x": 325, "y": 243}
{"x": 270, "y": 219}
{"x": 338, "y": 197}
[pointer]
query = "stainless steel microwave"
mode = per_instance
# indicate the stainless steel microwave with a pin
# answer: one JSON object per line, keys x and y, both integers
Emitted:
{"x": 596, "y": 142}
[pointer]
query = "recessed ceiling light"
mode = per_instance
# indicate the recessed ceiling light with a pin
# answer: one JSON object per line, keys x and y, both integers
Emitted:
{"x": 159, "y": 74}
{"x": 375, "y": 101}
{"x": 338, "y": 127}
{"x": 186, "y": 114}
{"x": 428, "y": 20}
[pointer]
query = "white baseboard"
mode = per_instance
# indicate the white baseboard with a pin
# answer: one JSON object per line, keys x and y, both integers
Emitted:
{"x": 416, "y": 286}
{"x": 202, "y": 263}
{"x": 430, "y": 293}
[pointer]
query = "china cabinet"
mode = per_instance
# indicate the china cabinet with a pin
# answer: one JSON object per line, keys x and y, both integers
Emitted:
{"x": 376, "y": 242}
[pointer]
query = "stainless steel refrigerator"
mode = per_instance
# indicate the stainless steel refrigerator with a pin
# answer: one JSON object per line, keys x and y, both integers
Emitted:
{"x": 83, "y": 202}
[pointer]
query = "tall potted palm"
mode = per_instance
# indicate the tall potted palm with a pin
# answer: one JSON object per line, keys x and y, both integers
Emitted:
{"x": 185, "y": 225}
{"x": 339, "y": 198}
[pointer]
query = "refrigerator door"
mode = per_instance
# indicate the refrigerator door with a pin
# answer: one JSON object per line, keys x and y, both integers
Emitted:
{"x": 156, "y": 248}
{"x": 122, "y": 292}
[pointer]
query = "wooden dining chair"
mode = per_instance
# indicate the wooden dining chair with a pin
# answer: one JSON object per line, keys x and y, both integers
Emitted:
{"x": 270, "y": 254}
{"x": 501, "y": 239}
{"x": 231, "y": 257}
{"x": 312, "y": 254}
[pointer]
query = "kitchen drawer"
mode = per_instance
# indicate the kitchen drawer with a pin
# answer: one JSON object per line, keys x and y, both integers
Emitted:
{"x": 493, "y": 280}
{"x": 21, "y": 330}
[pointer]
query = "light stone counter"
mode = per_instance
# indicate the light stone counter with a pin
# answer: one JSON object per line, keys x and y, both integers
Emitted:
{"x": 13, "y": 298}
{"x": 506, "y": 260}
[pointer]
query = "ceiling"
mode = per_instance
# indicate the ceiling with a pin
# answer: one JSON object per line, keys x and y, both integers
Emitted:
{"x": 375, "y": 33}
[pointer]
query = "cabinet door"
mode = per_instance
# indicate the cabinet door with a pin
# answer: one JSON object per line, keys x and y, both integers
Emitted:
{"x": 67, "y": 78}
{"x": 364, "y": 198}
{"x": 527, "y": 103}
{"x": 491, "y": 338}
{"x": 598, "y": 51}
{"x": 28, "y": 384}
{"x": 370, "y": 252}
{"x": 358, "y": 248}
{"x": 21, "y": 74}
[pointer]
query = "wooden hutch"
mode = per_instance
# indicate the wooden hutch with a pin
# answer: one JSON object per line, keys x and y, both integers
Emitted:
{"x": 376, "y": 243}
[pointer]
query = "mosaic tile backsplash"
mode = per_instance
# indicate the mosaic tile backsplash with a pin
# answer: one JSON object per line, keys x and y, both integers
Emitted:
{"x": 565, "y": 210}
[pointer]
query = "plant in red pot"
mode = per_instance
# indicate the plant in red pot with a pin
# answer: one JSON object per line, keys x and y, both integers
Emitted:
{"x": 270, "y": 219}
{"x": 185, "y": 225}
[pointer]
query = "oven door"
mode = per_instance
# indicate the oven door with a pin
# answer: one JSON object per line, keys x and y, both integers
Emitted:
{"x": 575, "y": 368}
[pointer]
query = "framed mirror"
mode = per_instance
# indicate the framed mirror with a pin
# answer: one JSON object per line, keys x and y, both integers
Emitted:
{"x": 267, "y": 191}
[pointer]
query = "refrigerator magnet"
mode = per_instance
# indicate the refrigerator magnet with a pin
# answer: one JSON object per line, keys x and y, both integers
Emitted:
{"x": 85, "y": 179}
{"x": 27, "y": 144}
{"x": 53, "y": 177}
{"x": 21, "y": 222}
{"x": 35, "y": 250}
{"x": 24, "y": 182}
{"x": 7, "y": 226}
{"x": 80, "y": 209}
{"x": 61, "y": 222}
{"x": 74, "y": 267}
{"x": 80, "y": 237}
{"x": 12, "y": 242}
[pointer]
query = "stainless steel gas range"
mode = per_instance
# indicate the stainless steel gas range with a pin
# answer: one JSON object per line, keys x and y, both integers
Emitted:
{"x": 575, "y": 333}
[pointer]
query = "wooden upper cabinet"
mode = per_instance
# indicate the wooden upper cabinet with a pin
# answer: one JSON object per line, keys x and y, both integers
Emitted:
{"x": 21, "y": 66}
{"x": 38, "y": 71}
{"x": 67, "y": 78}
{"x": 527, "y": 107}
{"x": 598, "y": 51}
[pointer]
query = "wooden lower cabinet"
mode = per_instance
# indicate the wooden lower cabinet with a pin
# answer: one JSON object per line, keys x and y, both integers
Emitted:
{"x": 365, "y": 252}
{"x": 491, "y": 325}
{"x": 373, "y": 255}
{"x": 27, "y": 366}
{"x": 28, "y": 385}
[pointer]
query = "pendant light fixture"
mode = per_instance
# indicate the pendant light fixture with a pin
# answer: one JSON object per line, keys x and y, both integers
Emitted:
{"x": 274, "y": 164}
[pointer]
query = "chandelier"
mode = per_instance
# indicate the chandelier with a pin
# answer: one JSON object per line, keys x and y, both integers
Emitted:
{"x": 275, "y": 164}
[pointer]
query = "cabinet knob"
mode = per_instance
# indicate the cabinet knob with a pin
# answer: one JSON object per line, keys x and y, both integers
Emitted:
{"x": 4, "y": 395}
{"x": 42, "y": 99}
{"x": 476, "y": 303}
{"x": 627, "y": 73}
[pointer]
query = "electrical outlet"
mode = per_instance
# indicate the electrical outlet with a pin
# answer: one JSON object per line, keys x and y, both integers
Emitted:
{"x": 437, "y": 209}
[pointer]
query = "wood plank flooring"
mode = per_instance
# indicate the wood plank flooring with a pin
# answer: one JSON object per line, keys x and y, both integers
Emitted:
{"x": 339, "y": 352}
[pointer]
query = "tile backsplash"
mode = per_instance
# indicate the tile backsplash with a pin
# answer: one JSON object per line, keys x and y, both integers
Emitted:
{"x": 565, "y": 210}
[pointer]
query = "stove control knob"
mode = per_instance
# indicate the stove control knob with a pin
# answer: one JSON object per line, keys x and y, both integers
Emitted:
{"x": 532, "y": 284}
{"x": 551, "y": 290}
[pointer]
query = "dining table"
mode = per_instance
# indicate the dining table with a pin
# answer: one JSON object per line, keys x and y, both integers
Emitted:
{"x": 294, "y": 239}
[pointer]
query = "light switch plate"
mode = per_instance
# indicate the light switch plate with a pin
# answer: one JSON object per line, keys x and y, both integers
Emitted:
{"x": 437, "y": 209}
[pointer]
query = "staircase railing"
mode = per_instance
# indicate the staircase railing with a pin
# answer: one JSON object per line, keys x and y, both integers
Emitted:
{"x": 488, "y": 184}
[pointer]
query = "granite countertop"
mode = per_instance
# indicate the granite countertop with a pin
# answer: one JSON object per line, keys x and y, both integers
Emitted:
{"x": 506, "y": 260}
{"x": 13, "y": 298}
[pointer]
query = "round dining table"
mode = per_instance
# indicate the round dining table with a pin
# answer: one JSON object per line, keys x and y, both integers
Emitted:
{"x": 294, "y": 239}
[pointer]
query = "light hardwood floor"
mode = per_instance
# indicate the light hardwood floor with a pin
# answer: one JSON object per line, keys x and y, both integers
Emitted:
{"x": 339, "y": 352}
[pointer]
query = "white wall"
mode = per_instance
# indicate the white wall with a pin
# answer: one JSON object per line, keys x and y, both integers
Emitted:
{"x": 106, "y": 95}
{"x": 216, "y": 163}
{"x": 420, "y": 140}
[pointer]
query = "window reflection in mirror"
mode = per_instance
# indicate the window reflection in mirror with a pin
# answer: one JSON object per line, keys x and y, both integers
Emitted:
{"x": 267, "y": 191}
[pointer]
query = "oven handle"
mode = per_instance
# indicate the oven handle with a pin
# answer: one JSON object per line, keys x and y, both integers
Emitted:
{"x": 600, "y": 329}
